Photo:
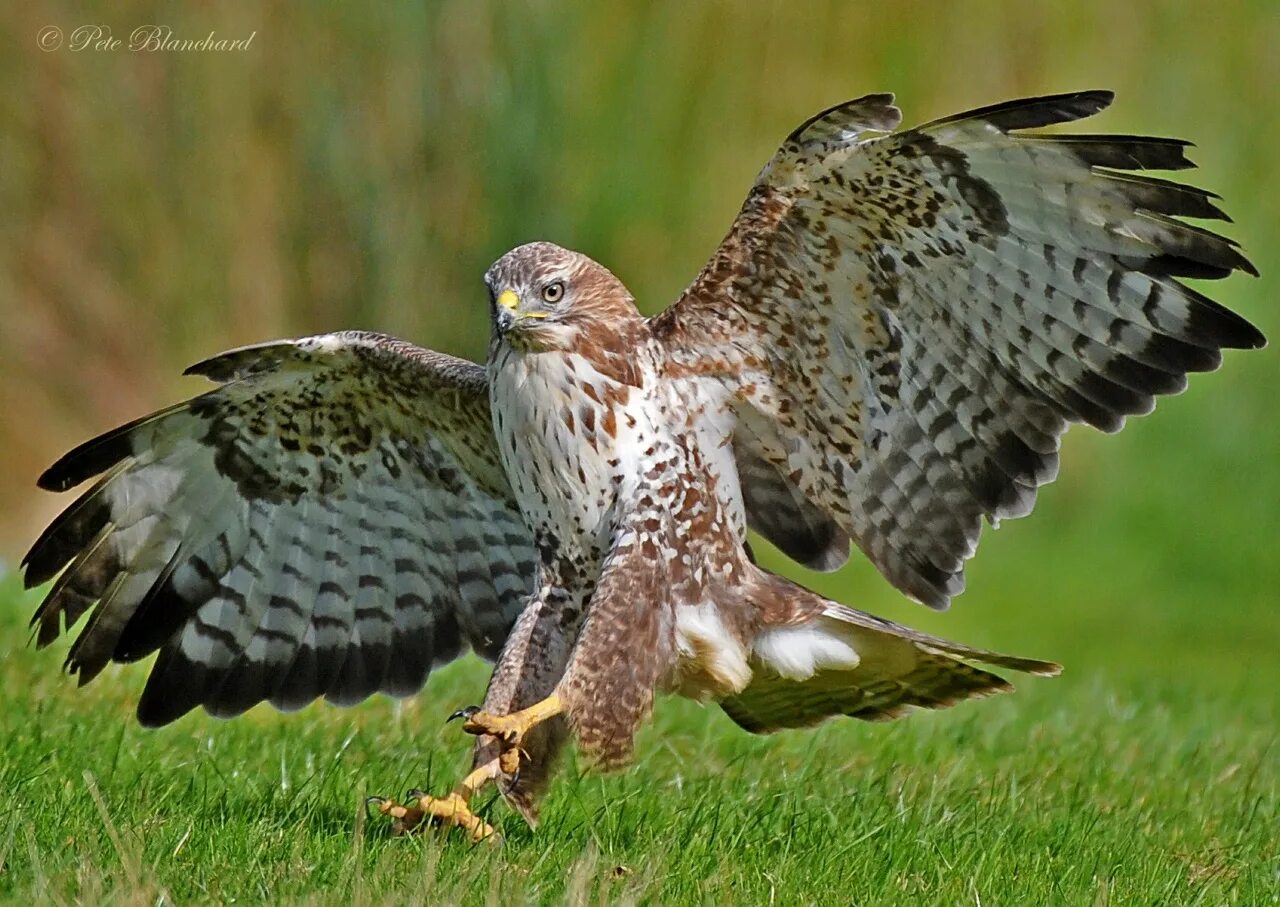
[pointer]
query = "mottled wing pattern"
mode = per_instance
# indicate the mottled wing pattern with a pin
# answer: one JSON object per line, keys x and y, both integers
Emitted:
{"x": 332, "y": 520}
{"x": 905, "y": 324}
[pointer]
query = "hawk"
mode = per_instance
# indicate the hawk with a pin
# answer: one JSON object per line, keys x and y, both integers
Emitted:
{"x": 884, "y": 351}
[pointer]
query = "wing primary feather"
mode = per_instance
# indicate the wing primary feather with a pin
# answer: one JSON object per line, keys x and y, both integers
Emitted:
{"x": 159, "y": 615}
{"x": 1164, "y": 196}
{"x": 98, "y": 454}
{"x": 1031, "y": 113}
{"x": 69, "y": 533}
{"x": 77, "y": 588}
{"x": 1121, "y": 152}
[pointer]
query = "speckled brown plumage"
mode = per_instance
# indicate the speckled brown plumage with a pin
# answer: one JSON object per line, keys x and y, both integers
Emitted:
{"x": 885, "y": 350}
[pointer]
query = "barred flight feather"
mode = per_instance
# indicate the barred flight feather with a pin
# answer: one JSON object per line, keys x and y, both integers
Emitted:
{"x": 294, "y": 533}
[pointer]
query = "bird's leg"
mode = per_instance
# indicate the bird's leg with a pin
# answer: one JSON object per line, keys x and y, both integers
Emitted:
{"x": 455, "y": 808}
{"x": 532, "y": 661}
{"x": 510, "y": 729}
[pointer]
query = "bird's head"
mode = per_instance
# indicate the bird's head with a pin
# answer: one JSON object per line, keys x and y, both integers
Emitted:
{"x": 542, "y": 297}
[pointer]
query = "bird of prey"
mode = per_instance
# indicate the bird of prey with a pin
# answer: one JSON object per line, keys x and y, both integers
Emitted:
{"x": 884, "y": 351}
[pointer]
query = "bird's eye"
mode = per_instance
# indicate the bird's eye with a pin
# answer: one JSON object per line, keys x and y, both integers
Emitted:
{"x": 554, "y": 291}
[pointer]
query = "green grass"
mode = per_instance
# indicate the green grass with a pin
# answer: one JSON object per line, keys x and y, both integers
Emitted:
{"x": 1090, "y": 789}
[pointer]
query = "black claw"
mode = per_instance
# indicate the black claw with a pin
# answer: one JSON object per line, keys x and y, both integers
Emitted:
{"x": 468, "y": 712}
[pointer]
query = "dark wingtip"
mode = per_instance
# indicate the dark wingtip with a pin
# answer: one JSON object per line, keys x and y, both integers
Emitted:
{"x": 94, "y": 456}
{"x": 86, "y": 460}
{"x": 66, "y": 537}
{"x": 67, "y": 471}
{"x": 1031, "y": 113}
{"x": 1250, "y": 338}
{"x": 100, "y": 453}
{"x": 84, "y": 671}
{"x": 30, "y": 579}
{"x": 1081, "y": 104}
{"x": 1125, "y": 152}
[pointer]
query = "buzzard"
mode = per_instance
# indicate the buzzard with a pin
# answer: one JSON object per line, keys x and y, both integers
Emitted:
{"x": 884, "y": 351}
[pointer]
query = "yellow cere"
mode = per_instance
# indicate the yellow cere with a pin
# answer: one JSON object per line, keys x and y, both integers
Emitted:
{"x": 508, "y": 299}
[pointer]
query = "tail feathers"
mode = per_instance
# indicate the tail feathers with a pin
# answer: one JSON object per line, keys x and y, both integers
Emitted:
{"x": 928, "y": 642}
{"x": 846, "y": 662}
{"x": 772, "y": 703}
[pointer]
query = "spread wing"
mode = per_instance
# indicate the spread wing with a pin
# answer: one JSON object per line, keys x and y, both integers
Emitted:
{"x": 332, "y": 520}
{"x": 905, "y": 324}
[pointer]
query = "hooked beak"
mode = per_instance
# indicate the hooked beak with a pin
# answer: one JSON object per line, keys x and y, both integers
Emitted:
{"x": 507, "y": 311}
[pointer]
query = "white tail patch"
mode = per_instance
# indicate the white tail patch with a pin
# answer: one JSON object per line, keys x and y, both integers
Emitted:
{"x": 797, "y": 653}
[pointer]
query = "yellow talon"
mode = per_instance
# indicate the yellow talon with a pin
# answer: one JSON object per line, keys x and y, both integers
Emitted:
{"x": 455, "y": 809}
{"x": 450, "y": 810}
{"x": 510, "y": 729}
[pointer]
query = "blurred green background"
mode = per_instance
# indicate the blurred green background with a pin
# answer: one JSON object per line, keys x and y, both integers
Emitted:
{"x": 361, "y": 166}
